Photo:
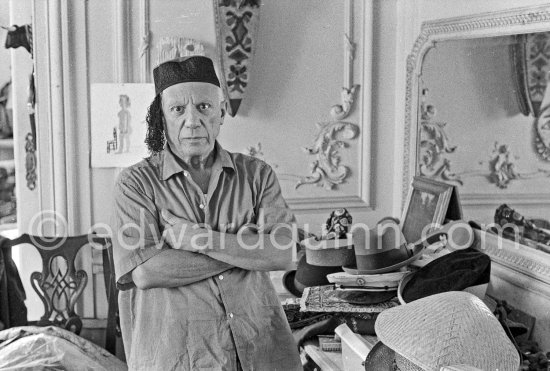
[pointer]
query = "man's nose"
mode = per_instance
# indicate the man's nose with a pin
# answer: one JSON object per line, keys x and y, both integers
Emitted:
{"x": 192, "y": 119}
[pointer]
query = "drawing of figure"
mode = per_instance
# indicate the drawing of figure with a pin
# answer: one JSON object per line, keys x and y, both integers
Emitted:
{"x": 124, "y": 127}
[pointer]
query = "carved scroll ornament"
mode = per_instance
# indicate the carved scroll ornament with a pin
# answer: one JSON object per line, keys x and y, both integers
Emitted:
{"x": 326, "y": 169}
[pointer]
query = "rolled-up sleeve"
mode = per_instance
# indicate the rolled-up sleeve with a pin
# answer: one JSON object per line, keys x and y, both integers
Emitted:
{"x": 271, "y": 206}
{"x": 135, "y": 224}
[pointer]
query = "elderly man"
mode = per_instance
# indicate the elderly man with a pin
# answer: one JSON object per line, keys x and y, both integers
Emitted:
{"x": 197, "y": 229}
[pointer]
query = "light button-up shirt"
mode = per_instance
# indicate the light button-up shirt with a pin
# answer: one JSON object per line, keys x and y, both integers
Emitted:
{"x": 226, "y": 316}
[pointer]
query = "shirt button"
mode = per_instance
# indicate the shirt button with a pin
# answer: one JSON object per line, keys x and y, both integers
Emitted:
{"x": 230, "y": 315}
{"x": 201, "y": 206}
{"x": 220, "y": 276}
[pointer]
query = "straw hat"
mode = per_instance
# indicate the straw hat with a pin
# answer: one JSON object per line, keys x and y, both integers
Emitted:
{"x": 442, "y": 330}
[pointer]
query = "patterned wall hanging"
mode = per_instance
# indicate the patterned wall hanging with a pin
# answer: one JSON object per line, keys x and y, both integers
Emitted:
{"x": 236, "y": 27}
{"x": 531, "y": 63}
{"x": 542, "y": 128}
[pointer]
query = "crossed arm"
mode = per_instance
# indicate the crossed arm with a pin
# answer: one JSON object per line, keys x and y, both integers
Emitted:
{"x": 199, "y": 253}
{"x": 187, "y": 253}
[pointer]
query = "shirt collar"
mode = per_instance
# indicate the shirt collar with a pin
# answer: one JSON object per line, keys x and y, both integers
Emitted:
{"x": 170, "y": 165}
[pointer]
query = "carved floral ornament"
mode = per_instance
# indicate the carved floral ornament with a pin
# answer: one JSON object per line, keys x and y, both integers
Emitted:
{"x": 326, "y": 169}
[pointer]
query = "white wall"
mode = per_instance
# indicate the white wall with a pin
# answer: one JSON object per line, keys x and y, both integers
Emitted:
{"x": 295, "y": 79}
{"x": 5, "y": 62}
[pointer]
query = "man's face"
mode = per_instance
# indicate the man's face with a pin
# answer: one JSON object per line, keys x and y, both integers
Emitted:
{"x": 193, "y": 114}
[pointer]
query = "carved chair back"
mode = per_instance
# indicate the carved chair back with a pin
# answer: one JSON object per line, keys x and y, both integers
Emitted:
{"x": 113, "y": 320}
{"x": 60, "y": 285}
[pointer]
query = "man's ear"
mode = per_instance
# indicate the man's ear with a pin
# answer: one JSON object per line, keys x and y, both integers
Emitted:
{"x": 223, "y": 109}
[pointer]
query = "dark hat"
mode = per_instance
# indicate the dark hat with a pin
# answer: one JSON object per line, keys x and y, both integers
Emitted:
{"x": 383, "y": 249}
{"x": 188, "y": 69}
{"x": 455, "y": 271}
{"x": 307, "y": 275}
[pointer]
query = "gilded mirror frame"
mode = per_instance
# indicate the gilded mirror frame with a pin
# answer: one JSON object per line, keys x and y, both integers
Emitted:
{"x": 511, "y": 259}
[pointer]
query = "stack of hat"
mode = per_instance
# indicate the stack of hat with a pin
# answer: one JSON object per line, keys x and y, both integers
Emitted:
{"x": 323, "y": 256}
{"x": 380, "y": 255}
{"x": 322, "y": 265}
{"x": 370, "y": 258}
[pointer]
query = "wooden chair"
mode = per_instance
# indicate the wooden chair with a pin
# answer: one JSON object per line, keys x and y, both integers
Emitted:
{"x": 113, "y": 320}
{"x": 60, "y": 285}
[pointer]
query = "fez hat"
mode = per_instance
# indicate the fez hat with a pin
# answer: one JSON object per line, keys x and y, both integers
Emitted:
{"x": 442, "y": 330}
{"x": 187, "y": 69}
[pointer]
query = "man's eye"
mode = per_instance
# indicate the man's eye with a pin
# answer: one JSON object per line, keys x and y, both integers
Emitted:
{"x": 178, "y": 109}
{"x": 204, "y": 106}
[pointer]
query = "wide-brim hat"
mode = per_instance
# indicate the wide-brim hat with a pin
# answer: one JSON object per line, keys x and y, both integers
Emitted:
{"x": 330, "y": 253}
{"x": 307, "y": 275}
{"x": 451, "y": 328}
{"x": 375, "y": 282}
{"x": 383, "y": 249}
{"x": 414, "y": 254}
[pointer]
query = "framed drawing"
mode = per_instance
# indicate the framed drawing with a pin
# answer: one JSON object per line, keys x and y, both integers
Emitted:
{"x": 118, "y": 123}
{"x": 427, "y": 204}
